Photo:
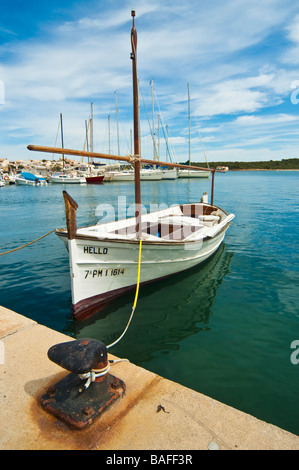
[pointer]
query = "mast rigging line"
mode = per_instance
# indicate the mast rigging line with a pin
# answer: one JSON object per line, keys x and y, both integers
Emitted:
{"x": 149, "y": 124}
{"x": 197, "y": 127}
{"x": 168, "y": 144}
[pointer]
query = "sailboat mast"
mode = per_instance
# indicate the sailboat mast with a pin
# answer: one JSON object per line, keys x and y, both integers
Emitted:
{"x": 189, "y": 115}
{"x": 116, "y": 110}
{"x": 91, "y": 127}
{"x": 86, "y": 136}
{"x": 153, "y": 115}
{"x": 109, "y": 137}
{"x": 62, "y": 144}
{"x": 136, "y": 126}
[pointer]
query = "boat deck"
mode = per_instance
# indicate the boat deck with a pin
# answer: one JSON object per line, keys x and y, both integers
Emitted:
{"x": 188, "y": 222}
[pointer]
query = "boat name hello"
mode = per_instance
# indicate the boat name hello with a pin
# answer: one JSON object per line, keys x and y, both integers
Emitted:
{"x": 95, "y": 250}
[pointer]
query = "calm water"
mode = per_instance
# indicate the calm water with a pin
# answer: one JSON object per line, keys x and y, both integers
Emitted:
{"x": 224, "y": 329}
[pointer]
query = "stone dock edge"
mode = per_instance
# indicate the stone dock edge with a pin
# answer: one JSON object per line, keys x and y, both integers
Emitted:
{"x": 154, "y": 414}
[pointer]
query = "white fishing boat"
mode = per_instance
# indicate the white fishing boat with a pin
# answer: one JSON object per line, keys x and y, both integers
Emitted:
{"x": 26, "y": 178}
{"x": 67, "y": 178}
{"x": 106, "y": 259}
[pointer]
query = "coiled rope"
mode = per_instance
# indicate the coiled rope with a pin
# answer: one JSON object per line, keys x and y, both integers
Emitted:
{"x": 95, "y": 373}
{"x": 27, "y": 244}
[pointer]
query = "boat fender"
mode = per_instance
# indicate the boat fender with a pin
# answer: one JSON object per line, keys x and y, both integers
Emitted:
{"x": 204, "y": 198}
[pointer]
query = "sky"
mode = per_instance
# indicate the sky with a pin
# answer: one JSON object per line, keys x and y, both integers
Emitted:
{"x": 239, "y": 57}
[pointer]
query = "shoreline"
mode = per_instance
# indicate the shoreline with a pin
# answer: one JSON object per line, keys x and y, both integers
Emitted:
{"x": 262, "y": 169}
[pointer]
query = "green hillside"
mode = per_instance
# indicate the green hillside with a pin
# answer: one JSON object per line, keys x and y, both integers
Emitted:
{"x": 285, "y": 164}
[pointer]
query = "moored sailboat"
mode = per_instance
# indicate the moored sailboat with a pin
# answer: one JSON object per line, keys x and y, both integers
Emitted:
{"x": 104, "y": 258}
{"x": 92, "y": 176}
{"x": 64, "y": 177}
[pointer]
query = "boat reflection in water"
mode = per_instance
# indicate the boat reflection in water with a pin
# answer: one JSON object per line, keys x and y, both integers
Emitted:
{"x": 167, "y": 312}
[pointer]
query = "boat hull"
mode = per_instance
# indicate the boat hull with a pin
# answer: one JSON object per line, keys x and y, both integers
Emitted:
{"x": 170, "y": 174}
{"x": 103, "y": 270}
{"x": 94, "y": 179}
{"x": 122, "y": 176}
{"x": 67, "y": 180}
{"x": 194, "y": 174}
{"x": 153, "y": 175}
{"x": 24, "y": 182}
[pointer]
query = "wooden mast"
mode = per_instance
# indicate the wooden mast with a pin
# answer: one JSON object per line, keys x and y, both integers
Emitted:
{"x": 136, "y": 127}
{"x": 136, "y": 158}
{"x": 189, "y": 119}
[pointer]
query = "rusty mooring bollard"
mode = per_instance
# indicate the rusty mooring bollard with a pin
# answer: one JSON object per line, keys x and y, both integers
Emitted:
{"x": 88, "y": 390}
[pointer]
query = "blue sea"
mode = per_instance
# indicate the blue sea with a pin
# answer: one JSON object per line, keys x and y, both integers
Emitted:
{"x": 225, "y": 329}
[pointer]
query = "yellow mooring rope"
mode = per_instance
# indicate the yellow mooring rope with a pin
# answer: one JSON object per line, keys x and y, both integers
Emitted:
{"x": 27, "y": 244}
{"x": 138, "y": 275}
{"x": 135, "y": 300}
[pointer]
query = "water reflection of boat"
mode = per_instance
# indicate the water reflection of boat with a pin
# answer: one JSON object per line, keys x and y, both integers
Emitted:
{"x": 161, "y": 326}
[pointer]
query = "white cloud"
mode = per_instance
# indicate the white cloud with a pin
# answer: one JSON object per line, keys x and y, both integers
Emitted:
{"x": 274, "y": 119}
{"x": 293, "y": 30}
{"x": 246, "y": 155}
{"x": 233, "y": 96}
{"x": 86, "y": 59}
{"x": 102, "y": 21}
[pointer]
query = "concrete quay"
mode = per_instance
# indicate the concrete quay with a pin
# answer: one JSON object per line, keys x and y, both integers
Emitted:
{"x": 187, "y": 420}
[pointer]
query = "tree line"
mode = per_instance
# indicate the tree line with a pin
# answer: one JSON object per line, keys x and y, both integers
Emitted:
{"x": 284, "y": 164}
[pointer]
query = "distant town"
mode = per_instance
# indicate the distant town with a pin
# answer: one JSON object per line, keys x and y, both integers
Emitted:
{"x": 42, "y": 167}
